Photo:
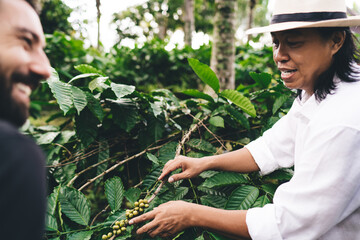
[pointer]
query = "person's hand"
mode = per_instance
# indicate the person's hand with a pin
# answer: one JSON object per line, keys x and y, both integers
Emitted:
{"x": 167, "y": 219}
{"x": 191, "y": 167}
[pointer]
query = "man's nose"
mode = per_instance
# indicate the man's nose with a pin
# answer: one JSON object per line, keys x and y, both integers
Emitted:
{"x": 41, "y": 65}
{"x": 280, "y": 54}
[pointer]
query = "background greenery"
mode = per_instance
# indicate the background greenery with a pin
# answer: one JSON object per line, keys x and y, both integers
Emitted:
{"x": 109, "y": 121}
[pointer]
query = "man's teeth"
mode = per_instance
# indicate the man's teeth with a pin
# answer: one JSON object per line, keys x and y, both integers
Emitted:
{"x": 23, "y": 88}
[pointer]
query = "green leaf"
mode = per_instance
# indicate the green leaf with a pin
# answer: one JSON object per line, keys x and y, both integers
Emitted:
{"x": 262, "y": 79}
{"x": 238, "y": 116}
{"x": 125, "y": 117}
{"x": 85, "y": 68}
{"x": 122, "y": 90}
{"x": 201, "y": 145}
{"x": 242, "y": 198}
{"x": 224, "y": 179}
{"x": 53, "y": 200}
{"x": 217, "y": 121}
{"x": 62, "y": 93}
{"x": 196, "y": 93}
{"x": 152, "y": 158}
{"x": 50, "y": 223}
{"x": 80, "y": 235}
{"x": 239, "y": 100}
{"x": 261, "y": 201}
{"x": 132, "y": 194}
{"x": 114, "y": 191}
{"x": 151, "y": 178}
{"x": 95, "y": 106}
{"x": 99, "y": 84}
{"x": 47, "y": 138}
{"x": 279, "y": 102}
{"x": 79, "y": 98}
{"x": 167, "y": 152}
{"x": 205, "y": 73}
{"x": 85, "y": 75}
{"x": 75, "y": 205}
{"x": 179, "y": 194}
{"x": 156, "y": 108}
{"x": 104, "y": 153}
{"x": 86, "y": 127}
{"x": 213, "y": 201}
{"x": 200, "y": 237}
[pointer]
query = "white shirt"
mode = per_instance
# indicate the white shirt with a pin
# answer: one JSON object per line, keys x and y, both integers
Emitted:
{"x": 322, "y": 141}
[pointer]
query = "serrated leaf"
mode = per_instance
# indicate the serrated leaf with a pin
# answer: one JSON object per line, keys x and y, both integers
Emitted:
{"x": 151, "y": 178}
{"x": 95, "y": 106}
{"x": 62, "y": 93}
{"x": 196, "y": 93}
{"x": 201, "y": 145}
{"x": 238, "y": 116}
{"x": 239, "y": 100}
{"x": 179, "y": 194}
{"x": 213, "y": 201}
{"x": 242, "y": 198}
{"x": 224, "y": 179}
{"x": 217, "y": 121}
{"x": 114, "y": 191}
{"x": 261, "y": 201}
{"x": 50, "y": 223}
{"x": 53, "y": 199}
{"x": 104, "y": 153}
{"x": 132, "y": 194}
{"x": 78, "y": 98}
{"x": 262, "y": 79}
{"x": 75, "y": 205}
{"x": 152, "y": 158}
{"x": 167, "y": 152}
{"x": 208, "y": 173}
{"x": 86, "y": 68}
{"x": 211, "y": 191}
{"x": 205, "y": 73}
{"x": 86, "y": 235}
{"x": 122, "y": 90}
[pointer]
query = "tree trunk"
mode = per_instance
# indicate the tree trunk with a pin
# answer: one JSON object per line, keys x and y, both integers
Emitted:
{"x": 251, "y": 16}
{"x": 189, "y": 19}
{"x": 98, "y": 22}
{"x": 223, "y": 48}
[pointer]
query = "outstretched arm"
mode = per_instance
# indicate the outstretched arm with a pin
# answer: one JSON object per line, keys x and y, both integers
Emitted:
{"x": 173, "y": 217}
{"x": 237, "y": 161}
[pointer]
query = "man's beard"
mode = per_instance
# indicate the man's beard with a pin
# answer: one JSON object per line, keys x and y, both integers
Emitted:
{"x": 12, "y": 110}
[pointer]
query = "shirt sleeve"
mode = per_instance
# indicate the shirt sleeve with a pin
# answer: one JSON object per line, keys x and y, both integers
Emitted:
{"x": 323, "y": 191}
{"x": 275, "y": 149}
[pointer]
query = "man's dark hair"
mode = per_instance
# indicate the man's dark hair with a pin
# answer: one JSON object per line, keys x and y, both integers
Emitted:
{"x": 342, "y": 66}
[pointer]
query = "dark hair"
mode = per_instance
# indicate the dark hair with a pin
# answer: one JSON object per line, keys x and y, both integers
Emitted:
{"x": 342, "y": 65}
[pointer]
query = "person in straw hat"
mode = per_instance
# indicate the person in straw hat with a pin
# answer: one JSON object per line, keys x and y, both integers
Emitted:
{"x": 316, "y": 54}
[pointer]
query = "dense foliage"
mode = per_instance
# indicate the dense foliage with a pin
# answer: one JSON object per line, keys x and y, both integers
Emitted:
{"x": 111, "y": 140}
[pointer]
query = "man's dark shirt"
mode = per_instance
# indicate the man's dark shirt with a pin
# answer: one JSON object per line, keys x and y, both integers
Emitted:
{"x": 22, "y": 186}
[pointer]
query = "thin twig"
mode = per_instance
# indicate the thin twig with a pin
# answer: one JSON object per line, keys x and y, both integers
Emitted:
{"x": 115, "y": 166}
{"x": 177, "y": 153}
{"x": 97, "y": 215}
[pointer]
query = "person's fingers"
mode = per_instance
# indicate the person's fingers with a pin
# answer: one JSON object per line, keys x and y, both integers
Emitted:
{"x": 179, "y": 176}
{"x": 144, "y": 217}
{"x": 173, "y": 165}
{"x": 147, "y": 228}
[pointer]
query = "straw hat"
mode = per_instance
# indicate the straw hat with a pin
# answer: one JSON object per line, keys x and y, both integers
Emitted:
{"x": 290, "y": 14}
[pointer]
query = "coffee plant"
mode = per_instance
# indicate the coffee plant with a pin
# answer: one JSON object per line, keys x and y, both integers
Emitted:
{"x": 111, "y": 142}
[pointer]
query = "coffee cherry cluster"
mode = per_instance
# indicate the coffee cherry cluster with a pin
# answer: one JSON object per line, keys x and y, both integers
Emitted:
{"x": 120, "y": 226}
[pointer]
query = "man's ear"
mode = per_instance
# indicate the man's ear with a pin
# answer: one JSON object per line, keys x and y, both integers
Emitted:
{"x": 338, "y": 39}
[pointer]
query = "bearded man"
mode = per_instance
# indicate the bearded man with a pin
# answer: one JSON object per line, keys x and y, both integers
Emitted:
{"x": 23, "y": 64}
